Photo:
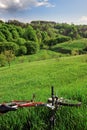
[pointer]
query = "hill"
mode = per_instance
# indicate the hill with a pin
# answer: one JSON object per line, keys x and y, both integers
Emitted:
{"x": 71, "y": 47}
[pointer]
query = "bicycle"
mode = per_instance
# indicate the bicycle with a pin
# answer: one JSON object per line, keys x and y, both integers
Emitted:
{"x": 53, "y": 103}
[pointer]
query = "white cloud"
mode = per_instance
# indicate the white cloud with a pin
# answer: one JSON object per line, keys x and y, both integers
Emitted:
{"x": 13, "y": 5}
{"x": 83, "y": 19}
{"x": 44, "y": 3}
{"x": 2, "y": 5}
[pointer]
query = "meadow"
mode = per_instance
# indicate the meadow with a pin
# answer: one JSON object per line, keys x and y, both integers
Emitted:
{"x": 68, "y": 75}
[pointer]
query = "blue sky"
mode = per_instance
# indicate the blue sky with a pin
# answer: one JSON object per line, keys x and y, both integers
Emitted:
{"x": 69, "y": 11}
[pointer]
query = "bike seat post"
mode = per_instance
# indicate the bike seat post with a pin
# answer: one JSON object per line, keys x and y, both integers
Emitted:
{"x": 52, "y": 117}
{"x": 52, "y": 95}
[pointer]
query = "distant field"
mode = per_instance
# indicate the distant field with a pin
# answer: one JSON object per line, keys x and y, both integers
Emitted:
{"x": 71, "y": 45}
{"x": 68, "y": 76}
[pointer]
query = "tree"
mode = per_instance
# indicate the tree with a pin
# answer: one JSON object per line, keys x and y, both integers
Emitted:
{"x": 2, "y": 37}
{"x": 57, "y": 40}
{"x": 30, "y": 34}
{"x": 16, "y": 22}
{"x": 39, "y": 36}
{"x": 44, "y": 36}
{"x": 85, "y": 49}
{"x": 32, "y": 47}
{"x": 6, "y": 33}
{"x": 20, "y": 41}
{"x": 22, "y": 50}
{"x": 75, "y": 52}
{"x": 15, "y": 34}
{"x": 2, "y": 60}
{"x": 5, "y": 46}
{"x": 20, "y": 31}
{"x": 73, "y": 32}
{"x": 9, "y": 55}
{"x": 85, "y": 34}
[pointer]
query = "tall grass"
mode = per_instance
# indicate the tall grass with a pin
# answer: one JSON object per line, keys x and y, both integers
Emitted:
{"x": 68, "y": 76}
{"x": 41, "y": 55}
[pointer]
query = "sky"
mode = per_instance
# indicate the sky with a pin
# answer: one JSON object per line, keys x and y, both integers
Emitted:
{"x": 60, "y": 11}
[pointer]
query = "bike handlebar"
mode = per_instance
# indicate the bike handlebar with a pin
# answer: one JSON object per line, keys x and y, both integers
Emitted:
{"x": 19, "y": 104}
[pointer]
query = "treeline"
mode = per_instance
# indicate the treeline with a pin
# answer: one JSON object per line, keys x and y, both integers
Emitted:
{"x": 25, "y": 39}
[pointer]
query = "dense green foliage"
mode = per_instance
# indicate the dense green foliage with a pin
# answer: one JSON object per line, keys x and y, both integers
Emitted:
{"x": 14, "y": 35}
{"x": 68, "y": 76}
{"x": 32, "y": 47}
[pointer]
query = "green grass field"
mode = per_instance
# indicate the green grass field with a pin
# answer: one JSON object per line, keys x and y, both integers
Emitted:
{"x": 68, "y": 75}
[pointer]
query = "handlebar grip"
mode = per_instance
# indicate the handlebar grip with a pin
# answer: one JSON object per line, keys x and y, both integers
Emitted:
{"x": 69, "y": 104}
{"x": 5, "y": 108}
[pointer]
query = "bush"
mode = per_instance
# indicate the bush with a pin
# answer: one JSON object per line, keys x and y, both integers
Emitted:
{"x": 9, "y": 56}
{"x": 75, "y": 52}
{"x": 2, "y": 60}
{"x": 22, "y": 50}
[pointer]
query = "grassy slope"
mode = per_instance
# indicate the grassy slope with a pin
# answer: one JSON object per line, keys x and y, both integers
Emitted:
{"x": 41, "y": 55}
{"x": 67, "y": 75}
{"x": 75, "y": 44}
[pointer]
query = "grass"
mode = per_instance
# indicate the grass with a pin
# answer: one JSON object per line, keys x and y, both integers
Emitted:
{"x": 68, "y": 76}
{"x": 41, "y": 55}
